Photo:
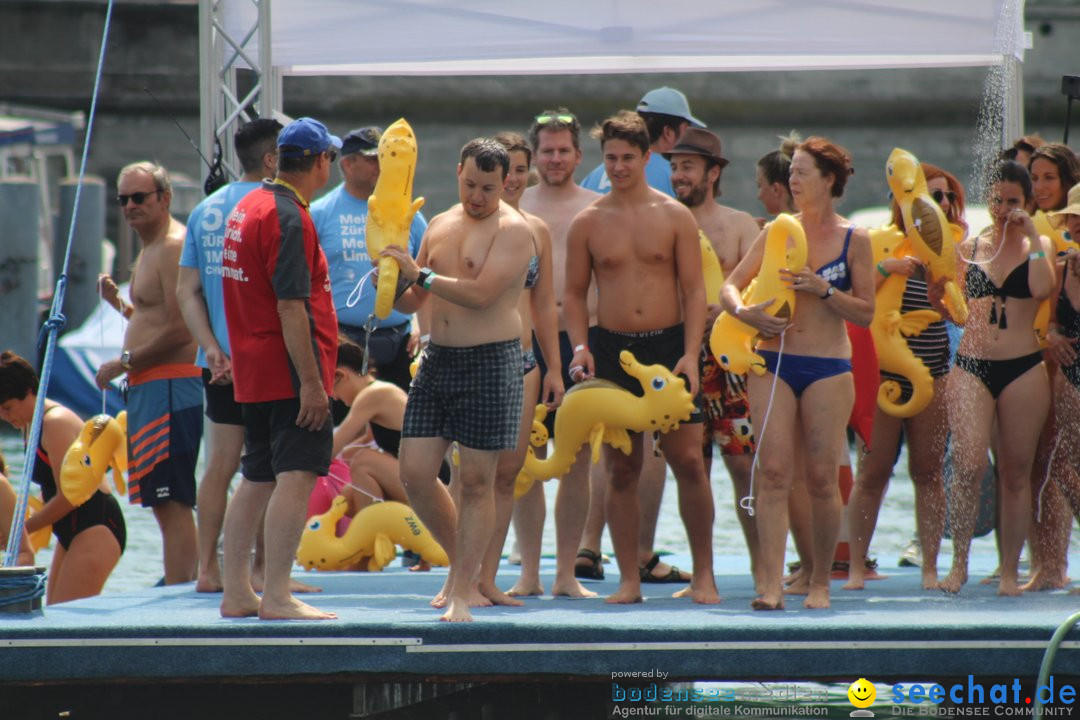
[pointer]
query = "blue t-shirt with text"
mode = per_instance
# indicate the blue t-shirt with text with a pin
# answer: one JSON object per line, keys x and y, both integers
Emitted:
{"x": 341, "y": 221}
{"x": 202, "y": 250}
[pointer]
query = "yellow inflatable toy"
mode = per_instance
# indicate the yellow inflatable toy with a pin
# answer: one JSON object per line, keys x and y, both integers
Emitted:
{"x": 1062, "y": 246}
{"x": 391, "y": 208}
{"x": 928, "y": 230}
{"x": 714, "y": 273}
{"x": 100, "y": 444}
{"x": 731, "y": 340}
{"x": 372, "y": 534}
{"x": 889, "y": 327}
{"x": 599, "y": 411}
{"x": 39, "y": 539}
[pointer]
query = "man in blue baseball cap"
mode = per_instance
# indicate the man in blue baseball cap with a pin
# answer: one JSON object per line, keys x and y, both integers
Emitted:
{"x": 306, "y": 137}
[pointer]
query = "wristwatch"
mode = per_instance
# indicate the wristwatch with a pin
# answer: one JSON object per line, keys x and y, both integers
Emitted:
{"x": 828, "y": 293}
{"x": 422, "y": 276}
{"x": 125, "y": 359}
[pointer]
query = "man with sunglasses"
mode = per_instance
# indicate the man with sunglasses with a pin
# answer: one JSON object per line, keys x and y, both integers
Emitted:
{"x": 341, "y": 218}
{"x": 164, "y": 395}
{"x": 283, "y": 335}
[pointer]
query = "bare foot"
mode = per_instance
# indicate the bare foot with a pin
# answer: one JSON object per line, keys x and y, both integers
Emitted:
{"x": 800, "y": 585}
{"x": 295, "y": 586}
{"x": 439, "y": 601}
{"x": 768, "y": 602}
{"x": 991, "y": 578}
{"x": 477, "y": 598}
{"x": 856, "y": 581}
{"x": 955, "y": 580}
{"x": 457, "y": 610}
{"x": 237, "y": 605}
{"x": 705, "y": 594}
{"x": 625, "y": 595}
{"x": 929, "y": 578}
{"x": 526, "y": 588}
{"x": 497, "y": 596}
{"x": 1009, "y": 588}
{"x": 209, "y": 584}
{"x": 1046, "y": 580}
{"x": 817, "y": 598}
{"x": 570, "y": 588}
{"x": 292, "y": 609}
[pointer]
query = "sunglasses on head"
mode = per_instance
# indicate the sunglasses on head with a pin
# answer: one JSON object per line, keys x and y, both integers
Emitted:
{"x": 565, "y": 119}
{"x": 940, "y": 195}
{"x": 136, "y": 197}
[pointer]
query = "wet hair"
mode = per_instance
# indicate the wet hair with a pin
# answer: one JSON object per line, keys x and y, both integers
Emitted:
{"x": 155, "y": 171}
{"x": 1068, "y": 166}
{"x": 776, "y": 164}
{"x": 555, "y": 125}
{"x": 291, "y": 160}
{"x": 623, "y": 125}
{"x": 17, "y": 377}
{"x": 956, "y": 207}
{"x": 488, "y": 154}
{"x": 656, "y": 123}
{"x": 515, "y": 142}
{"x": 253, "y": 140}
{"x": 1014, "y": 172}
{"x": 831, "y": 159}
{"x": 351, "y": 356}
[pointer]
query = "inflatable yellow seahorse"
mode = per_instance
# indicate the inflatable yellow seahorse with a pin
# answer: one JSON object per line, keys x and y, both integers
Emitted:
{"x": 928, "y": 230}
{"x": 39, "y": 539}
{"x": 598, "y": 411}
{"x": 732, "y": 340}
{"x": 391, "y": 208}
{"x": 1062, "y": 247}
{"x": 100, "y": 444}
{"x": 889, "y": 328}
{"x": 710, "y": 266}
{"x": 373, "y": 533}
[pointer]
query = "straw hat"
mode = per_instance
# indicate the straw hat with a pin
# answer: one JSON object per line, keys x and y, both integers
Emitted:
{"x": 1057, "y": 219}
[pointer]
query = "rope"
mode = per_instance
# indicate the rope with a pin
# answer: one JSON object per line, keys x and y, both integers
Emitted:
{"x": 56, "y": 319}
{"x": 747, "y": 503}
{"x": 1048, "y": 658}
{"x": 29, "y": 587}
{"x": 996, "y": 253}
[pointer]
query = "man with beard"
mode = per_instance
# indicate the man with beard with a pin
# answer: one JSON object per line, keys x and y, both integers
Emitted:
{"x": 696, "y": 166}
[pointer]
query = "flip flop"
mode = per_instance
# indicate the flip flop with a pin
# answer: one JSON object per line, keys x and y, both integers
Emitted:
{"x": 673, "y": 576}
{"x": 593, "y": 571}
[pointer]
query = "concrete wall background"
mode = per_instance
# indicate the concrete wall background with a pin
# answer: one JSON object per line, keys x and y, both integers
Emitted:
{"x": 51, "y": 46}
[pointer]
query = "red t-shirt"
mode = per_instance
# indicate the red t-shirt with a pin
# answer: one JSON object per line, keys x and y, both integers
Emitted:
{"x": 272, "y": 253}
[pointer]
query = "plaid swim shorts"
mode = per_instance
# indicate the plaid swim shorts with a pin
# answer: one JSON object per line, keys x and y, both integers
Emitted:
{"x": 473, "y": 395}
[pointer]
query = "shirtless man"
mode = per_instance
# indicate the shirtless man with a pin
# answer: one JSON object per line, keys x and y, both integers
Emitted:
{"x": 642, "y": 248}
{"x": 556, "y": 199}
{"x": 164, "y": 400}
{"x": 469, "y": 388}
{"x": 696, "y": 166}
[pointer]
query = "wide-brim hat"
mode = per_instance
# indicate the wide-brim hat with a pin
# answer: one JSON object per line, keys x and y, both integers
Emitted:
{"x": 695, "y": 141}
{"x": 1057, "y": 219}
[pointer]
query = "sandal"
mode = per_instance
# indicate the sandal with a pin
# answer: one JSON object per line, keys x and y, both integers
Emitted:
{"x": 594, "y": 570}
{"x": 675, "y": 575}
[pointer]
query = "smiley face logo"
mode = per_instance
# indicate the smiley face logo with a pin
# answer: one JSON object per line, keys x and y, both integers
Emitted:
{"x": 862, "y": 693}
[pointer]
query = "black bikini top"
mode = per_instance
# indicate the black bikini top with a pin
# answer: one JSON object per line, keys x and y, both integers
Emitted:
{"x": 979, "y": 285}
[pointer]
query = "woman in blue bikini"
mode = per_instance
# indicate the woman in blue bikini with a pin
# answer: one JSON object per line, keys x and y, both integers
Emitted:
{"x": 999, "y": 372}
{"x": 811, "y": 357}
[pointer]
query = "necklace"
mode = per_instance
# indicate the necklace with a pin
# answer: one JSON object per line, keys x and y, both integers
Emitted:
{"x": 296, "y": 192}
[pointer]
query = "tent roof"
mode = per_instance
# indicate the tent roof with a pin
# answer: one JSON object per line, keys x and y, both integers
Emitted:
{"x": 499, "y": 37}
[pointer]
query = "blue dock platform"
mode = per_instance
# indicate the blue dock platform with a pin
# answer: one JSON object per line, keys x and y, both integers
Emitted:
{"x": 386, "y": 632}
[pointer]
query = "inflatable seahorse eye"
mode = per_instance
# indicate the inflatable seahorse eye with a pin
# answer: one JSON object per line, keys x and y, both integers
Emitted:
{"x": 391, "y": 208}
{"x": 97, "y": 447}
{"x": 732, "y": 340}
{"x": 598, "y": 411}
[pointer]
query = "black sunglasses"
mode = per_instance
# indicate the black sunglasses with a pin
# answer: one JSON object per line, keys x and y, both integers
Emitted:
{"x": 940, "y": 195}
{"x": 136, "y": 197}
{"x": 331, "y": 154}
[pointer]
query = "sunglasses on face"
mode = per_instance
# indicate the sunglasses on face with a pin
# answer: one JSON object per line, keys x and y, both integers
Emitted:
{"x": 940, "y": 195}
{"x": 331, "y": 155}
{"x": 565, "y": 119}
{"x": 137, "y": 197}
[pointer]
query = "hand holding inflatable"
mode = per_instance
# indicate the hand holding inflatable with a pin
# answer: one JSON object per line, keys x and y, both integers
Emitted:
{"x": 373, "y": 533}
{"x": 928, "y": 230}
{"x": 391, "y": 208}
{"x": 101, "y": 443}
{"x": 732, "y": 340}
{"x": 598, "y": 411}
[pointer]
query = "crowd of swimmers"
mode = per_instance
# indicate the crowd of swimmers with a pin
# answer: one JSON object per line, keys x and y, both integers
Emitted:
{"x": 531, "y": 284}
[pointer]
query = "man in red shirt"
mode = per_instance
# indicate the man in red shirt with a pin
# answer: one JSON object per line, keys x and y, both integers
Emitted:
{"x": 283, "y": 334}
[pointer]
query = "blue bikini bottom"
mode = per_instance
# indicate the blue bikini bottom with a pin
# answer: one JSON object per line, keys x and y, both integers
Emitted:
{"x": 802, "y": 371}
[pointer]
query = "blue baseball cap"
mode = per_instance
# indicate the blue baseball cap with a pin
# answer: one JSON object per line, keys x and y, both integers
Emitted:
{"x": 668, "y": 101}
{"x": 309, "y": 135}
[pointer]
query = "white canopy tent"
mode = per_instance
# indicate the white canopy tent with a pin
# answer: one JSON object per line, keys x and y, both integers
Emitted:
{"x": 513, "y": 37}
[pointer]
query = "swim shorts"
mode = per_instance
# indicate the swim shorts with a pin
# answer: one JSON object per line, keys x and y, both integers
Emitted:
{"x": 651, "y": 347}
{"x": 473, "y": 395}
{"x": 165, "y": 405}
{"x": 566, "y": 355}
{"x": 725, "y": 407}
{"x": 221, "y": 405}
{"x": 274, "y": 443}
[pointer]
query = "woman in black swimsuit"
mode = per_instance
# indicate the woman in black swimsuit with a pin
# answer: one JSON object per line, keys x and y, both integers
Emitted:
{"x": 90, "y": 537}
{"x": 999, "y": 373}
